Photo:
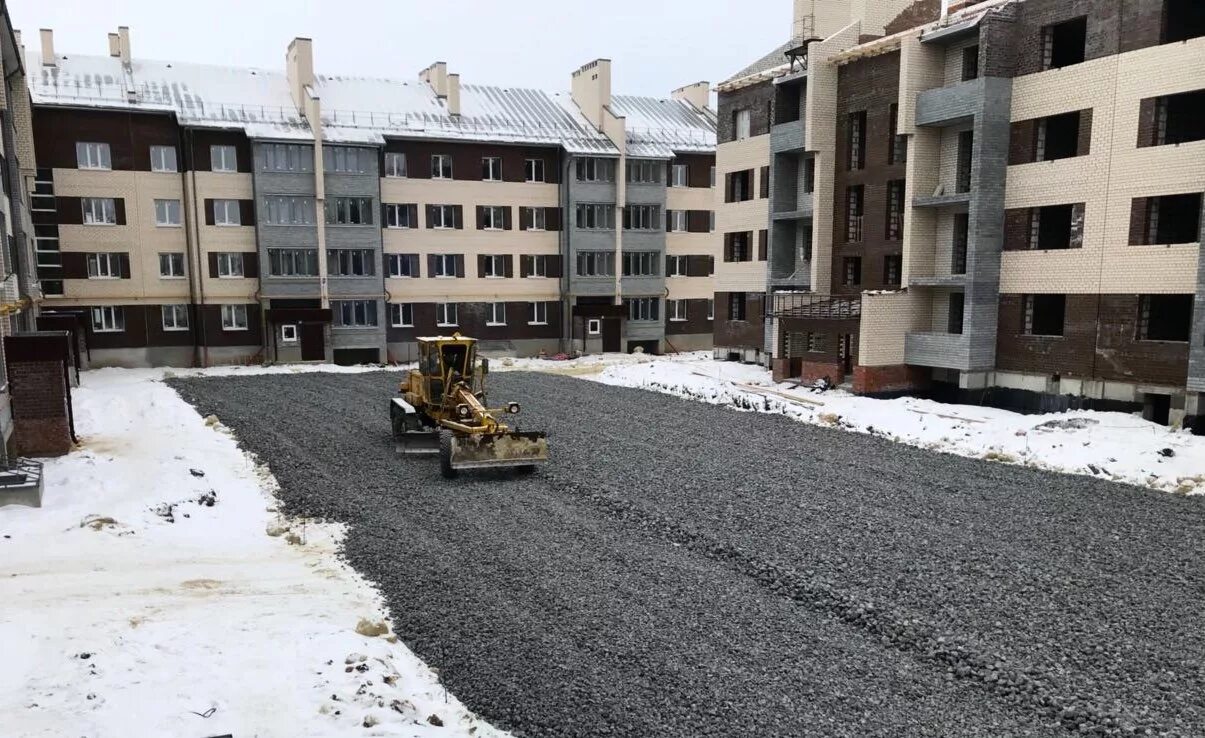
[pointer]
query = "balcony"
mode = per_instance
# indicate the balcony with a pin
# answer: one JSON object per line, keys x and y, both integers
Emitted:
{"x": 802, "y": 209}
{"x": 948, "y": 106}
{"x": 942, "y": 201}
{"x": 944, "y": 350}
{"x": 787, "y": 137}
{"x": 938, "y": 280}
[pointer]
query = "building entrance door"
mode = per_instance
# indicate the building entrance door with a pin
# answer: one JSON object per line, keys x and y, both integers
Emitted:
{"x": 611, "y": 329}
{"x": 313, "y": 342}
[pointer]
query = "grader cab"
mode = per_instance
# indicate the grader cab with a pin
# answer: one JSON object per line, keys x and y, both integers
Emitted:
{"x": 442, "y": 409}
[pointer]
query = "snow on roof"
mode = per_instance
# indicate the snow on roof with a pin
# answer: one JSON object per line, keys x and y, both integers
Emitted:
{"x": 361, "y": 109}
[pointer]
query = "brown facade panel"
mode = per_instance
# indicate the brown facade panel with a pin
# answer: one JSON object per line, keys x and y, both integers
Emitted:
{"x": 70, "y": 210}
{"x": 1016, "y": 229}
{"x": 1121, "y": 355}
{"x": 198, "y": 151}
{"x": 747, "y": 333}
{"x": 467, "y": 159}
{"x": 129, "y": 136}
{"x": 157, "y": 336}
{"x": 209, "y": 327}
{"x": 698, "y": 221}
{"x": 698, "y": 168}
{"x": 757, "y": 99}
{"x": 1021, "y": 141}
{"x": 696, "y": 320}
{"x": 700, "y": 265}
{"x": 473, "y": 320}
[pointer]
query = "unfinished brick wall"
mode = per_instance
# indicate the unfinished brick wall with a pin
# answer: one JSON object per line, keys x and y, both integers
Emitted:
{"x": 38, "y": 386}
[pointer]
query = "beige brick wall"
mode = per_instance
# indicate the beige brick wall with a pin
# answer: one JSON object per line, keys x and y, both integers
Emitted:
{"x": 886, "y": 318}
{"x": 222, "y": 186}
{"x": 921, "y": 68}
{"x": 751, "y": 215}
{"x": 1110, "y": 177}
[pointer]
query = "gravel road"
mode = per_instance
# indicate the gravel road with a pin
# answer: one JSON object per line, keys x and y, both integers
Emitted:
{"x": 681, "y": 569}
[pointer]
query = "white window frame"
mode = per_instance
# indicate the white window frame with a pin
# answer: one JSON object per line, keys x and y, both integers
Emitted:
{"x": 743, "y": 124}
{"x": 533, "y": 171}
{"x": 593, "y": 326}
{"x": 493, "y": 217}
{"x": 539, "y": 314}
{"x": 171, "y": 259}
{"x": 108, "y": 319}
{"x": 677, "y": 220}
{"x": 644, "y": 307}
{"x": 287, "y": 158}
{"x": 675, "y": 266}
{"x": 442, "y": 264}
{"x": 104, "y": 265}
{"x": 300, "y": 262}
{"x": 164, "y": 210}
{"x": 288, "y": 333}
{"x": 397, "y": 314}
{"x": 679, "y": 175}
{"x": 644, "y": 218}
{"x": 223, "y": 158}
{"x": 598, "y": 216}
{"x": 595, "y": 169}
{"x": 234, "y": 318}
{"x": 363, "y": 314}
{"x": 535, "y": 218}
{"x": 441, "y": 166}
{"x": 93, "y": 156}
{"x": 675, "y": 310}
{"x": 497, "y": 315}
{"x": 99, "y": 211}
{"x": 539, "y": 267}
{"x": 445, "y": 217}
{"x": 393, "y": 264}
{"x": 178, "y": 314}
{"x": 446, "y": 314}
{"x": 227, "y": 263}
{"x": 160, "y": 159}
{"x": 394, "y": 213}
{"x": 491, "y": 169}
{"x": 221, "y": 213}
{"x": 288, "y": 210}
{"x": 644, "y": 171}
{"x": 641, "y": 264}
{"x": 395, "y": 165}
{"x": 493, "y": 266}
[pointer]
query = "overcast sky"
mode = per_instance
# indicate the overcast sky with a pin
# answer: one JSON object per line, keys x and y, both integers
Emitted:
{"x": 655, "y": 45}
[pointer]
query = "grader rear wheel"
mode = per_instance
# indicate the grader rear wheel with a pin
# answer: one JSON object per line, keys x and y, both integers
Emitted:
{"x": 445, "y": 455}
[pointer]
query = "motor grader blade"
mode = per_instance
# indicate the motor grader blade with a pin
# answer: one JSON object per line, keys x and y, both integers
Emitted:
{"x": 485, "y": 451}
{"x": 418, "y": 443}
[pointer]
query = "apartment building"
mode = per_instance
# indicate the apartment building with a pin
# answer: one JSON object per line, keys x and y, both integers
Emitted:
{"x": 206, "y": 214}
{"x": 1004, "y": 206}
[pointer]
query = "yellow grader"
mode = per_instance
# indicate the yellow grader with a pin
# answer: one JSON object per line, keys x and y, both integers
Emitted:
{"x": 442, "y": 409}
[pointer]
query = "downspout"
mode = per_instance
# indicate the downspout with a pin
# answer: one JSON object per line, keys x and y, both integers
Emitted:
{"x": 189, "y": 243}
{"x": 566, "y": 260}
{"x": 202, "y": 338}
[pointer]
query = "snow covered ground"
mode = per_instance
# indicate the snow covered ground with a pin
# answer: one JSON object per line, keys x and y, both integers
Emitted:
{"x": 1114, "y": 446}
{"x": 148, "y": 599}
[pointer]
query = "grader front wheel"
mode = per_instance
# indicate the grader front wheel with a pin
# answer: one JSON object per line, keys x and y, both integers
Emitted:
{"x": 445, "y": 455}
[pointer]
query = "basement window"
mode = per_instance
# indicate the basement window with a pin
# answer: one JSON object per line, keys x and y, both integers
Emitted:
{"x": 1164, "y": 318}
{"x": 1178, "y": 119}
{"x": 1063, "y": 43}
{"x": 1043, "y": 315}
{"x": 1050, "y": 227}
{"x": 1174, "y": 219}
{"x": 1057, "y": 137}
{"x": 1182, "y": 20}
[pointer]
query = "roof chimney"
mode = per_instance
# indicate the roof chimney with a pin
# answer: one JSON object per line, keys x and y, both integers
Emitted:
{"x": 123, "y": 33}
{"x": 454, "y": 94}
{"x": 114, "y": 45}
{"x": 299, "y": 63}
{"x": 698, "y": 94}
{"x": 48, "y": 58}
{"x": 436, "y": 75}
{"x": 592, "y": 89}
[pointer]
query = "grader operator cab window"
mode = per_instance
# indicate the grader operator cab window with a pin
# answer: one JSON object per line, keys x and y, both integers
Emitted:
{"x": 456, "y": 357}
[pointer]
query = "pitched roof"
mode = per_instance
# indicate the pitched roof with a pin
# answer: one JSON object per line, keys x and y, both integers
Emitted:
{"x": 774, "y": 59}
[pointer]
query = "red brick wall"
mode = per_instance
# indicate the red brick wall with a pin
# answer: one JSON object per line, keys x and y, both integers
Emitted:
{"x": 39, "y": 397}
{"x": 896, "y": 378}
{"x": 813, "y": 371}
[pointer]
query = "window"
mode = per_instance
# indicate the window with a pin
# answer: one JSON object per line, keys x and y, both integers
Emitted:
{"x": 230, "y": 264}
{"x": 737, "y": 305}
{"x": 962, "y": 230}
{"x": 642, "y": 171}
{"x": 640, "y": 263}
{"x": 643, "y": 309}
{"x": 595, "y": 264}
{"x": 676, "y": 310}
{"x": 351, "y": 263}
{"x": 711, "y": 309}
{"x": 856, "y": 142}
{"x": 1183, "y": 20}
{"x": 167, "y": 212}
{"x": 287, "y": 158}
{"x": 355, "y": 313}
{"x": 223, "y": 159}
{"x": 764, "y": 187}
{"x": 441, "y": 166}
{"x": 966, "y": 147}
{"x": 288, "y": 333}
{"x": 496, "y": 314}
{"x": 108, "y": 319}
{"x": 642, "y": 217}
{"x": 1057, "y": 137}
{"x": 444, "y": 265}
{"x": 175, "y": 317}
{"x": 349, "y": 160}
{"x": 99, "y": 210}
{"x": 401, "y": 216}
{"x": 675, "y": 266}
{"x": 493, "y": 218}
{"x": 1043, "y": 314}
{"x": 1063, "y": 43}
{"x": 675, "y": 221}
{"x": 892, "y": 267}
{"x": 593, "y": 326}
{"x": 742, "y": 123}
{"x": 854, "y": 203}
{"x": 851, "y": 271}
{"x": 537, "y": 266}
{"x": 1164, "y": 318}
{"x": 970, "y": 63}
{"x": 491, "y": 169}
{"x": 93, "y": 156}
{"x": 895, "y": 210}
{"x": 226, "y": 213}
{"x": 533, "y": 170}
{"x": 288, "y": 210}
{"x": 349, "y": 211}
{"x": 595, "y": 169}
{"x": 163, "y": 159}
{"x": 1051, "y": 227}
{"x": 711, "y": 221}
{"x": 401, "y": 314}
{"x": 534, "y": 219}
{"x": 104, "y": 265}
{"x": 954, "y": 317}
{"x": 1172, "y": 219}
{"x": 739, "y": 186}
{"x": 445, "y": 314}
{"x": 442, "y": 216}
{"x": 738, "y": 246}
{"x": 293, "y": 262}
{"x": 395, "y": 164}
{"x": 596, "y": 217}
{"x": 493, "y": 267}
{"x": 403, "y": 265}
{"x": 234, "y": 317}
{"x": 712, "y": 177}
{"x": 1177, "y": 119}
{"x": 897, "y": 144}
{"x": 679, "y": 176}
{"x": 809, "y": 175}
{"x": 171, "y": 266}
